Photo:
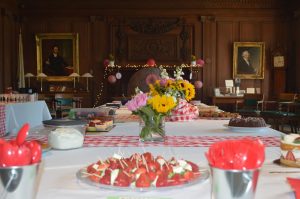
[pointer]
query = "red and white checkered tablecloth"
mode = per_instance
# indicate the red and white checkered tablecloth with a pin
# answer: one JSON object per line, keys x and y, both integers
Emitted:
{"x": 2, "y": 120}
{"x": 172, "y": 141}
{"x": 183, "y": 112}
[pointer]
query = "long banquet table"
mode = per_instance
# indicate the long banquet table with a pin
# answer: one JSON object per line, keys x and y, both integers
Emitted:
{"x": 58, "y": 179}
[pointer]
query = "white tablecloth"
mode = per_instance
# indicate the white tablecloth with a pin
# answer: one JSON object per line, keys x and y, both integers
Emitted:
{"x": 16, "y": 114}
{"x": 58, "y": 180}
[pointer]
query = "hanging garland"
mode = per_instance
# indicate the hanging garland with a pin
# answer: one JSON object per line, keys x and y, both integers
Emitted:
{"x": 110, "y": 68}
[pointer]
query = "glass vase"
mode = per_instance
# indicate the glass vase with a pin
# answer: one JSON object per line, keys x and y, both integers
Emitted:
{"x": 153, "y": 129}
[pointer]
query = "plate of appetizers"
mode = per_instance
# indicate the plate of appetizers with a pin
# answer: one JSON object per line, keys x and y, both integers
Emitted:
{"x": 142, "y": 172}
{"x": 100, "y": 125}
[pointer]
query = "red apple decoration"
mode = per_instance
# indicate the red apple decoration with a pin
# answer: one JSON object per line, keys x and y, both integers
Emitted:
{"x": 151, "y": 62}
{"x": 198, "y": 84}
{"x": 112, "y": 79}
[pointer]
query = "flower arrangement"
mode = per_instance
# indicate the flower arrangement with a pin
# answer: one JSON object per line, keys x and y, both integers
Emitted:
{"x": 151, "y": 110}
{"x": 178, "y": 87}
{"x": 163, "y": 97}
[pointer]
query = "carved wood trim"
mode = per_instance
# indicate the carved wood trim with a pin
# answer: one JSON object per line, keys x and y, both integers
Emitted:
{"x": 153, "y": 25}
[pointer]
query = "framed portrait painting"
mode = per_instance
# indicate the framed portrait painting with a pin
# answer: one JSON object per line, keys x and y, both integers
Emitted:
{"x": 248, "y": 60}
{"x": 57, "y": 55}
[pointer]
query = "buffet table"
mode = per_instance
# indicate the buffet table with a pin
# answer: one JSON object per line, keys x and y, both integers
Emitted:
{"x": 58, "y": 176}
{"x": 16, "y": 114}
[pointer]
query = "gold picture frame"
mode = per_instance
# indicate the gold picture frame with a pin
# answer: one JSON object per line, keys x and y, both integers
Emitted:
{"x": 68, "y": 46}
{"x": 248, "y": 60}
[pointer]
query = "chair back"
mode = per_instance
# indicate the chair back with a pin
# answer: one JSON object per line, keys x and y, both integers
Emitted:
{"x": 251, "y": 100}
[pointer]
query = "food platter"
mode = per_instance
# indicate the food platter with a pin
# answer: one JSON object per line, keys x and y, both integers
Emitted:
{"x": 142, "y": 172}
{"x": 82, "y": 176}
{"x": 247, "y": 129}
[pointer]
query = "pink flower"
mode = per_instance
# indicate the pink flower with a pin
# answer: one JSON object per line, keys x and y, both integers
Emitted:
{"x": 163, "y": 82}
{"x": 137, "y": 102}
{"x": 200, "y": 62}
{"x": 105, "y": 62}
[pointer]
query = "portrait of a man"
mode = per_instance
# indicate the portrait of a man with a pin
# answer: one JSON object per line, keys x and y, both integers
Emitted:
{"x": 248, "y": 60}
{"x": 55, "y": 64}
{"x": 57, "y": 55}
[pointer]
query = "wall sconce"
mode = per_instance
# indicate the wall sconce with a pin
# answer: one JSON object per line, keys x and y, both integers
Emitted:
{"x": 29, "y": 75}
{"x": 87, "y": 75}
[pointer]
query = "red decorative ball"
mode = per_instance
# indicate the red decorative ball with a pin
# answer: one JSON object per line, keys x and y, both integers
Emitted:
{"x": 198, "y": 84}
{"x": 200, "y": 62}
{"x": 112, "y": 79}
{"x": 151, "y": 62}
{"x": 105, "y": 62}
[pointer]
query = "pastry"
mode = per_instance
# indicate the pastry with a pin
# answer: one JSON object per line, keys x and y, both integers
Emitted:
{"x": 290, "y": 150}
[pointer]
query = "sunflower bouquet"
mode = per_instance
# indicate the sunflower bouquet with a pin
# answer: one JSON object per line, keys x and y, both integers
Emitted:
{"x": 154, "y": 106}
{"x": 152, "y": 110}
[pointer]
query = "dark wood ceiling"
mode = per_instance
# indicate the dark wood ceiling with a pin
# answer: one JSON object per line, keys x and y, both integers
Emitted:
{"x": 65, "y": 4}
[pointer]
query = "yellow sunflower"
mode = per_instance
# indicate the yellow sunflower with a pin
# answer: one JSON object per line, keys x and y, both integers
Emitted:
{"x": 190, "y": 91}
{"x": 162, "y": 104}
{"x": 153, "y": 91}
{"x": 181, "y": 85}
{"x": 170, "y": 83}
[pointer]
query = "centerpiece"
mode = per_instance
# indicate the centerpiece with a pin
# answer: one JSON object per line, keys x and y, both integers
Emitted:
{"x": 164, "y": 96}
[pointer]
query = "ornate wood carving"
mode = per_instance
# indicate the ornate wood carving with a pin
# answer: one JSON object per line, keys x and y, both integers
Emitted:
{"x": 153, "y": 25}
{"x": 137, "y": 39}
{"x": 184, "y": 36}
{"x": 162, "y": 48}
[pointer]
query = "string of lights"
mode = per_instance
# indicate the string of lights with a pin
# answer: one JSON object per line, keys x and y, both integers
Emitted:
{"x": 112, "y": 68}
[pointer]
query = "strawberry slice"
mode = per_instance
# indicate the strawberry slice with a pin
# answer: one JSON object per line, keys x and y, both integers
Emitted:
{"x": 122, "y": 180}
{"x": 188, "y": 175}
{"x": 148, "y": 157}
{"x": 91, "y": 169}
{"x": 143, "y": 181}
{"x": 175, "y": 180}
{"x": 152, "y": 175}
{"x": 195, "y": 168}
{"x": 290, "y": 156}
{"x": 105, "y": 180}
{"x": 94, "y": 178}
{"x": 162, "y": 181}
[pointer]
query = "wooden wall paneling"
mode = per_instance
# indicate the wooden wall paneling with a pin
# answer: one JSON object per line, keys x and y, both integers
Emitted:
{"x": 1, "y": 50}
{"x": 198, "y": 51}
{"x": 269, "y": 35}
{"x": 59, "y": 25}
{"x": 30, "y": 28}
{"x": 99, "y": 48}
{"x": 209, "y": 54}
{"x": 297, "y": 51}
{"x": 9, "y": 67}
{"x": 224, "y": 48}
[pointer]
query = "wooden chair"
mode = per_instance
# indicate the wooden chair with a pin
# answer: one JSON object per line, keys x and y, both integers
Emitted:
{"x": 251, "y": 105}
